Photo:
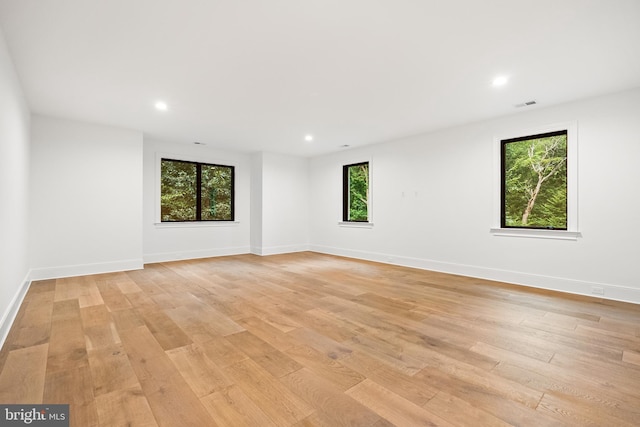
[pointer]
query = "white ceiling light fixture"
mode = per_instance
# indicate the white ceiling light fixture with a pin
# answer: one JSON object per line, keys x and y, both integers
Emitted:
{"x": 500, "y": 81}
{"x": 308, "y": 138}
{"x": 161, "y": 106}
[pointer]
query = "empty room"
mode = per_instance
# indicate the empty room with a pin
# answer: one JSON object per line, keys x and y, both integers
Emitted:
{"x": 319, "y": 213}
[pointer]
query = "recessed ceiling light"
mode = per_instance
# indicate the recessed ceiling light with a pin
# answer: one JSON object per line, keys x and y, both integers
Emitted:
{"x": 500, "y": 81}
{"x": 308, "y": 138}
{"x": 161, "y": 105}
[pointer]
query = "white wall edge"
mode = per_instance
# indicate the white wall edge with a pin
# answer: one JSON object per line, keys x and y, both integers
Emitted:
{"x": 184, "y": 255}
{"x": 85, "y": 269}
{"x": 571, "y": 286}
{"x": 277, "y": 250}
{"x": 9, "y": 316}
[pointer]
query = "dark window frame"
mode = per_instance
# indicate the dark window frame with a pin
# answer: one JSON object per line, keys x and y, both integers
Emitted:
{"x": 503, "y": 177}
{"x": 199, "y": 191}
{"x": 345, "y": 192}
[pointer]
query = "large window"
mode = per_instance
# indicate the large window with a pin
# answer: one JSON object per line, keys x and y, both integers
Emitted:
{"x": 191, "y": 191}
{"x": 534, "y": 181}
{"x": 355, "y": 192}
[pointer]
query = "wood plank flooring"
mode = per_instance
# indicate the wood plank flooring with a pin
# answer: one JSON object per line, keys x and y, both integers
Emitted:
{"x": 315, "y": 340}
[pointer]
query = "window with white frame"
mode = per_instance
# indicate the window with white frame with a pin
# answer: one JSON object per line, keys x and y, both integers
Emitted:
{"x": 536, "y": 185}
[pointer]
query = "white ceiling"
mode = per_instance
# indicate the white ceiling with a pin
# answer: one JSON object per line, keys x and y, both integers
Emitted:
{"x": 260, "y": 75}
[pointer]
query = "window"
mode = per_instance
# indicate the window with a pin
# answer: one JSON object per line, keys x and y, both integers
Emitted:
{"x": 355, "y": 192}
{"x": 191, "y": 191}
{"x": 534, "y": 181}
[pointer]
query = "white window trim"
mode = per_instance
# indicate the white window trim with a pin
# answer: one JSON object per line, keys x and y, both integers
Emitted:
{"x": 572, "y": 232}
{"x": 195, "y": 224}
{"x": 355, "y": 224}
{"x": 535, "y": 233}
{"x": 358, "y": 224}
{"x": 158, "y": 191}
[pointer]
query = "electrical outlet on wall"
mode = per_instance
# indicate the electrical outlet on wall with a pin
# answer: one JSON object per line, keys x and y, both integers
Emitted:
{"x": 596, "y": 290}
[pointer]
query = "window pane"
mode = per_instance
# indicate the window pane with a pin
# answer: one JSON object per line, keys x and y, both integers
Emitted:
{"x": 217, "y": 182}
{"x": 358, "y": 192}
{"x": 178, "y": 191}
{"x": 535, "y": 182}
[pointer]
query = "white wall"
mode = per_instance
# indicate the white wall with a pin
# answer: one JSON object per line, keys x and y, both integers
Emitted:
{"x": 256, "y": 202}
{"x": 167, "y": 242}
{"x": 86, "y": 198}
{"x": 14, "y": 190}
{"x": 433, "y": 203}
{"x": 284, "y": 204}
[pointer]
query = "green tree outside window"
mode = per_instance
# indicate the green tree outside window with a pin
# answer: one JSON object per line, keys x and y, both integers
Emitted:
{"x": 356, "y": 192}
{"x": 191, "y": 191}
{"x": 534, "y": 183}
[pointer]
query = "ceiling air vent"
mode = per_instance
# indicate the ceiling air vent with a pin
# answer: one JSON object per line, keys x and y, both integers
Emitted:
{"x": 526, "y": 104}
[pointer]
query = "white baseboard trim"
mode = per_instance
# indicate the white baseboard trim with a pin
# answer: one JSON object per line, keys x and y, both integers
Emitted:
{"x": 572, "y": 286}
{"x": 85, "y": 269}
{"x": 9, "y": 316}
{"x": 277, "y": 250}
{"x": 205, "y": 253}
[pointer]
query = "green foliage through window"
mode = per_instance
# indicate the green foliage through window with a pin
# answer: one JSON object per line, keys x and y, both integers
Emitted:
{"x": 192, "y": 191}
{"x": 356, "y": 192}
{"x": 534, "y": 181}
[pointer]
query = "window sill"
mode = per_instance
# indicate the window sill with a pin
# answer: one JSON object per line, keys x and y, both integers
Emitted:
{"x": 201, "y": 224}
{"x": 536, "y": 233}
{"x": 354, "y": 224}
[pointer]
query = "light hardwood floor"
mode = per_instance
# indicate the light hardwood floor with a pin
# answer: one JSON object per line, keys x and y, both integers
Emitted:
{"x": 314, "y": 340}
